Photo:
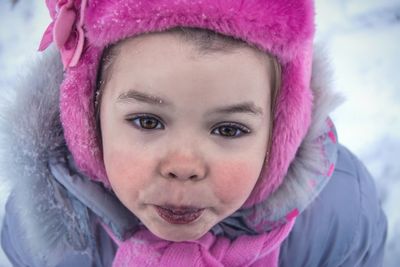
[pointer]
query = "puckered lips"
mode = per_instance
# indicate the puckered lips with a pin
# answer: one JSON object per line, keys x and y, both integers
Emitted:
{"x": 179, "y": 214}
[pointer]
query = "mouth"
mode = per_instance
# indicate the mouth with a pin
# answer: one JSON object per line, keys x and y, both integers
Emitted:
{"x": 179, "y": 214}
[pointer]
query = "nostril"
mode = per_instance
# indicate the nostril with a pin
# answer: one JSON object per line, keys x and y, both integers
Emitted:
{"x": 192, "y": 177}
{"x": 172, "y": 175}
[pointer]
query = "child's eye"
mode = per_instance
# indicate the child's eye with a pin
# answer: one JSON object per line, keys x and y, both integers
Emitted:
{"x": 230, "y": 130}
{"x": 147, "y": 122}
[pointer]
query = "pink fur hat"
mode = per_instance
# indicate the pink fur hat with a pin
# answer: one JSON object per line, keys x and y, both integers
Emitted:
{"x": 81, "y": 30}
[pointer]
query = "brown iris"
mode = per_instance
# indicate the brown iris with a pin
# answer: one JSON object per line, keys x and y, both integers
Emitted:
{"x": 227, "y": 131}
{"x": 148, "y": 123}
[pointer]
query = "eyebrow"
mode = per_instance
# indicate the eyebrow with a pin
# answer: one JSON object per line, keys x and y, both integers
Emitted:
{"x": 142, "y": 97}
{"x": 244, "y": 107}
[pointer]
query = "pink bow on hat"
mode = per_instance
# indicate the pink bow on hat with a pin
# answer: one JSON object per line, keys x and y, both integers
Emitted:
{"x": 65, "y": 30}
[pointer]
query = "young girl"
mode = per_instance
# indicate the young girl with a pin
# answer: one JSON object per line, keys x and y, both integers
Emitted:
{"x": 183, "y": 133}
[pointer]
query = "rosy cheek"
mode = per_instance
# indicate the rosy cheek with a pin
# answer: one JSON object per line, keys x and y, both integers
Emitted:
{"x": 127, "y": 172}
{"x": 233, "y": 181}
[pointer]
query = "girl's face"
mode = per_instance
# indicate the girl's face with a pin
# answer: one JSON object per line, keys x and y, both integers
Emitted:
{"x": 184, "y": 134}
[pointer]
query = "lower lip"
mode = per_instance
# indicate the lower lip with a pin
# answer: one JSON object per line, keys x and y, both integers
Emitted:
{"x": 179, "y": 216}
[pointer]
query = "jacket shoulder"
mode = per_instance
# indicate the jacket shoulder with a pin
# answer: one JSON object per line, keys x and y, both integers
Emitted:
{"x": 344, "y": 225}
{"x": 20, "y": 245}
{"x": 43, "y": 224}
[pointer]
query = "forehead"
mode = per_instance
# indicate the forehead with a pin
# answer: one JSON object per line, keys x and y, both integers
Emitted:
{"x": 202, "y": 41}
{"x": 166, "y": 65}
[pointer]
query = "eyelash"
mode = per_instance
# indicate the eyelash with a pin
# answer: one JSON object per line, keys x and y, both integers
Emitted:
{"x": 239, "y": 129}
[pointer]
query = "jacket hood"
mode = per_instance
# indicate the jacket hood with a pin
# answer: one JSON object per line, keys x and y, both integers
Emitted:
{"x": 31, "y": 134}
{"x": 81, "y": 30}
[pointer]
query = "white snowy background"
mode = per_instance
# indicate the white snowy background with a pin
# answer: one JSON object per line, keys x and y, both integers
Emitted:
{"x": 363, "y": 40}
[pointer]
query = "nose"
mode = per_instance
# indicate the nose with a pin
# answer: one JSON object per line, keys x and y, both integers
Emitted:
{"x": 183, "y": 167}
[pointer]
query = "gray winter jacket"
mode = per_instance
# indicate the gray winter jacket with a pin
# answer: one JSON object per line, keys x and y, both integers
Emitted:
{"x": 54, "y": 214}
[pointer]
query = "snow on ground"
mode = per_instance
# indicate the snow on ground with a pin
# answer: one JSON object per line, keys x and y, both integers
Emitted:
{"x": 362, "y": 37}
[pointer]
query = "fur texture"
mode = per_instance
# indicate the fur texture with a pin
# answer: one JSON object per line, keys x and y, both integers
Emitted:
{"x": 282, "y": 28}
{"x": 30, "y": 130}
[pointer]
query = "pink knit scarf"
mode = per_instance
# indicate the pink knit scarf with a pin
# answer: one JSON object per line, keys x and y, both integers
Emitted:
{"x": 144, "y": 249}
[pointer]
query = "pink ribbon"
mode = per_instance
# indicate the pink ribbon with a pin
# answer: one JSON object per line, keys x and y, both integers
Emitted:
{"x": 65, "y": 30}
